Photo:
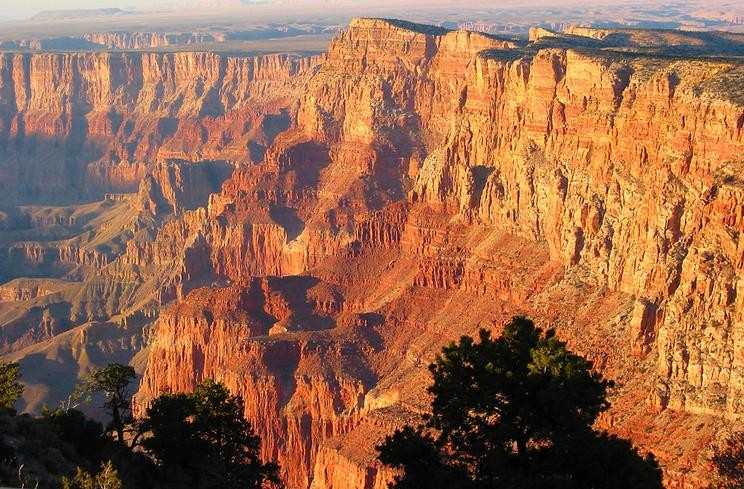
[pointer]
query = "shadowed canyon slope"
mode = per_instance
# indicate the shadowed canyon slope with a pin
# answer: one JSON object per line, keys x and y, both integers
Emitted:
{"x": 98, "y": 152}
{"x": 115, "y": 113}
{"x": 311, "y": 231}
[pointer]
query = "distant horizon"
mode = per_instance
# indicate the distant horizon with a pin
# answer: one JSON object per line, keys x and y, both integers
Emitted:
{"x": 511, "y": 17}
{"x": 30, "y": 8}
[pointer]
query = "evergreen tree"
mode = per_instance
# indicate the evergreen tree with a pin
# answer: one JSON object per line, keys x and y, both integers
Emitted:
{"x": 38, "y": 451}
{"x": 86, "y": 436}
{"x": 113, "y": 382}
{"x": 511, "y": 413}
{"x": 202, "y": 440}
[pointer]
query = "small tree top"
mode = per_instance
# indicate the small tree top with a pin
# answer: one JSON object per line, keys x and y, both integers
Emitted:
{"x": 522, "y": 387}
{"x": 202, "y": 439}
{"x": 113, "y": 380}
{"x": 10, "y": 388}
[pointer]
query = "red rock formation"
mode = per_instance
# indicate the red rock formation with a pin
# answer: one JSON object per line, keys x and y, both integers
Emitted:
{"x": 297, "y": 393}
{"x": 414, "y": 185}
{"x": 442, "y": 181}
{"x": 114, "y": 113}
{"x": 146, "y": 40}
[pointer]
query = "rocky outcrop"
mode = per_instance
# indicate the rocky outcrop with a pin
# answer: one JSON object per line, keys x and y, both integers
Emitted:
{"x": 149, "y": 40}
{"x": 173, "y": 186}
{"x": 417, "y": 152}
{"x": 23, "y": 290}
{"x": 429, "y": 167}
{"x": 21, "y": 258}
{"x": 444, "y": 177}
{"x": 298, "y": 392}
{"x": 197, "y": 40}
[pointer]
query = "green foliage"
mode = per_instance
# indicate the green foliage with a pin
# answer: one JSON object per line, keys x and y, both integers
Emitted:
{"x": 40, "y": 451}
{"x": 515, "y": 412}
{"x": 199, "y": 439}
{"x": 93, "y": 447}
{"x": 84, "y": 435}
{"x": 113, "y": 382}
{"x": 728, "y": 462}
{"x": 423, "y": 461}
{"x": 106, "y": 478}
{"x": 32, "y": 452}
{"x": 173, "y": 440}
{"x": 202, "y": 440}
{"x": 10, "y": 388}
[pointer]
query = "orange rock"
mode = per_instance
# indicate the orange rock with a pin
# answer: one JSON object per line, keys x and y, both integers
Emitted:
{"x": 445, "y": 180}
{"x": 412, "y": 186}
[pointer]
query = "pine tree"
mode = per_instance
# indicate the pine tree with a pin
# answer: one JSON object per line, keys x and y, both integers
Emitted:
{"x": 113, "y": 382}
{"x": 515, "y": 412}
{"x": 202, "y": 440}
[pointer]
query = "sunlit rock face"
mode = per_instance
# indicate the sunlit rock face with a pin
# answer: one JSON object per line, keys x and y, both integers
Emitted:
{"x": 311, "y": 231}
{"x": 76, "y": 125}
{"x": 441, "y": 181}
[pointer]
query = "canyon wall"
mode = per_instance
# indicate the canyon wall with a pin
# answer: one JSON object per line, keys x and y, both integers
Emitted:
{"x": 77, "y": 125}
{"x": 311, "y": 231}
{"x": 443, "y": 181}
{"x": 149, "y": 40}
{"x": 98, "y": 152}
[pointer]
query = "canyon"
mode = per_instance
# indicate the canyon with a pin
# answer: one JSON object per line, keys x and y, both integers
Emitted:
{"x": 311, "y": 230}
{"x": 157, "y": 41}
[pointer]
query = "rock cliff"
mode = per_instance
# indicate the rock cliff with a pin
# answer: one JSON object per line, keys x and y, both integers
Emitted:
{"x": 97, "y": 154}
{"x": 316, "y": 229}
{"x": 116, "y": 113}
{"x": 441, "y": 181}
{"x": 149, "y": 40}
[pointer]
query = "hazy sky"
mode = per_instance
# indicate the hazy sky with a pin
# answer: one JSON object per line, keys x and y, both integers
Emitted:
{"x": 24, "y": 8}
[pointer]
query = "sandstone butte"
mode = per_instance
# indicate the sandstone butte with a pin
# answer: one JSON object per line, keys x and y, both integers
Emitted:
{"x": 311, "y": 231}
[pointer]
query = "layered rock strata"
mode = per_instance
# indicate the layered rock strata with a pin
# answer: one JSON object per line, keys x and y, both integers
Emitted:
{"x": 115, "y": 113}
{"x": 442, "y": 181}
{"x": 314, "y": 230}
{"x": 150, "y": 135}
